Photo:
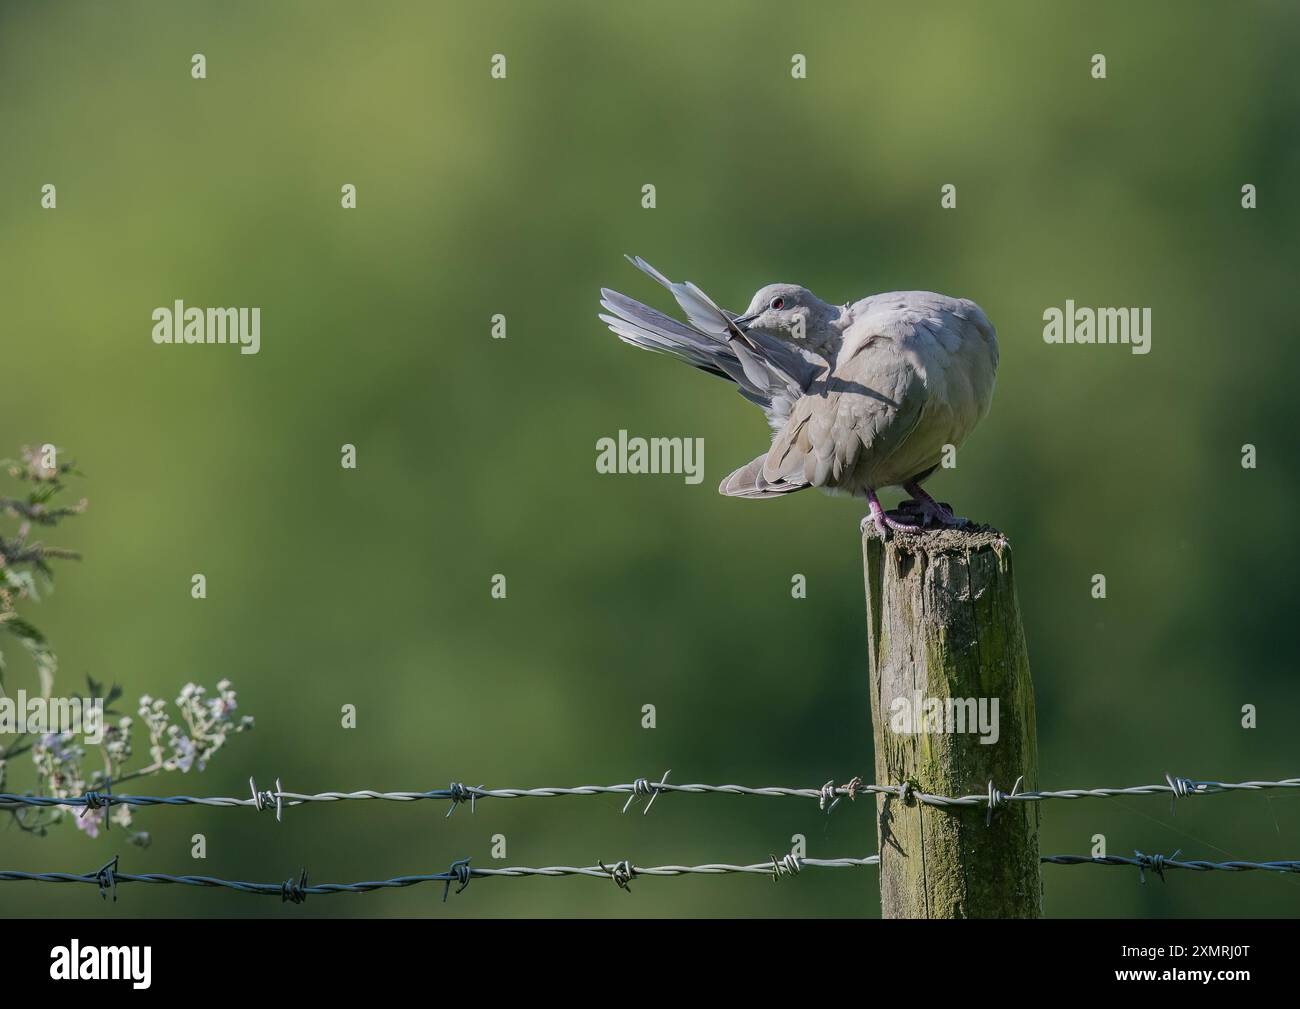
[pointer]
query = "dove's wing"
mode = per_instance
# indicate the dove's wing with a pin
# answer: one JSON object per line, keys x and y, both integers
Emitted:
{"x": 848, "y": 427}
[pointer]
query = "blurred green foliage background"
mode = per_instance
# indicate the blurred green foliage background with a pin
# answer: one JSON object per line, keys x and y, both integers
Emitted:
{"x": 476, "y": 456}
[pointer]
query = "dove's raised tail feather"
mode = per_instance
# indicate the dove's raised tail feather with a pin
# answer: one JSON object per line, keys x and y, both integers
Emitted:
{"x": 644, "y": 327}
{"x": 767, "y": 372}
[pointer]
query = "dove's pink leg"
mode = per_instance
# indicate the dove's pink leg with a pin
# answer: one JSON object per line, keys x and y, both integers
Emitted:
{"x": 882, "y": 521}
{"x": 931, "y": 510}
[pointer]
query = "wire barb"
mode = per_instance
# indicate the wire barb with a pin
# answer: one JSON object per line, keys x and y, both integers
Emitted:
{"x": 458, "y": 793}
{"x": 294, "y": 891}
{"x": 100, "y": 800}
{"x": 1156, "y": 863}
{"x": 268, "y": 799}
{"x": 461, "y": 873}
{"x": 106, "y": 877}
{"x": 787, "y": 865}
{"x": 622, "y": 873}
{"x": 1180, "y": 788}
{"x": 643, "y": 787}
{"x": 997, "y": 798}
{"x": 830, "y": 795}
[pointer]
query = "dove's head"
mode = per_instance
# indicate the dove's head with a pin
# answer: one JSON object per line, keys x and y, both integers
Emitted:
{"x": 792, "y": 313}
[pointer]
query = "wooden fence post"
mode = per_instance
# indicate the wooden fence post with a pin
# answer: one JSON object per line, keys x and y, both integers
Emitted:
{"x": 944, "y": 624}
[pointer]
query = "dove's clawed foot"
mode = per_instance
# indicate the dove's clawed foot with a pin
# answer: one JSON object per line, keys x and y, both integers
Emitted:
{"x": 883, "y": 521}
{"x": 928, "y": 510}
{"x": 916, "y": 515}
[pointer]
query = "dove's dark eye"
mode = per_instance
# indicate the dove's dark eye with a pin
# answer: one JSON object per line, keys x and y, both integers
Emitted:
{"x": 777, "y": 304}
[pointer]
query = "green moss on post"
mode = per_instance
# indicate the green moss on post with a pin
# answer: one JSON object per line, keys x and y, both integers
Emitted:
{"x": 944, "y": 624}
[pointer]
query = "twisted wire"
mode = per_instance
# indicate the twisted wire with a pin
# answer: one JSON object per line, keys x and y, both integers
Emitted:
{"x": 828, "y": 795}
{"x": 296, "y": 889}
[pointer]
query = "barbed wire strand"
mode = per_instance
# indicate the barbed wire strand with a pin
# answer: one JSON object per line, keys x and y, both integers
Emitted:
{"x": 1159, "y": 863}
{"x": 828, "y": 795}
{"x": 296, "y": 889}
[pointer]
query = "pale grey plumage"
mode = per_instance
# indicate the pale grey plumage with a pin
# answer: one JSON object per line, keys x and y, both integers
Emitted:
{"x": 859, "y": 397}
{"x": 768, "y": 371}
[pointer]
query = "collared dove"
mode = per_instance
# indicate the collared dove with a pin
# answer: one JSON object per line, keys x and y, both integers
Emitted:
{"x": 859, "y": 396}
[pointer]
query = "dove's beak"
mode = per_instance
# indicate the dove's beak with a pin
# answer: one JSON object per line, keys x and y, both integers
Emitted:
{"x": 745, "y": 320}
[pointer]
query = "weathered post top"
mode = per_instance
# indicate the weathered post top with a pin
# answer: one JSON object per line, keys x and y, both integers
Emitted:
{"x": 952, "y": 709}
